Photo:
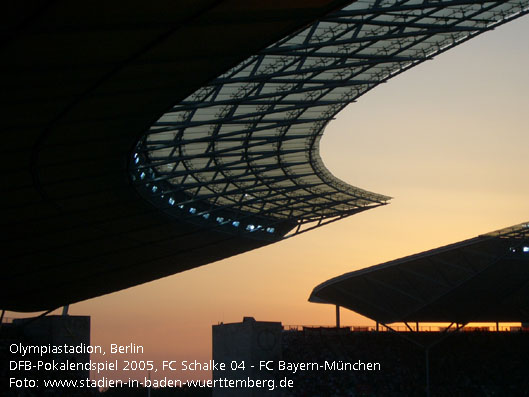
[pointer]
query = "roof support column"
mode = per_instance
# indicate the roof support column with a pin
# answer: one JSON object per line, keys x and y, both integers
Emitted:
{"x": 427, "y": 369}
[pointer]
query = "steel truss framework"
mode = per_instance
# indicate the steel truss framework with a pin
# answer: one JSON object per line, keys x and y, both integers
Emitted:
{"x": 477, "y": 280}
{"x": 242, "y": 152}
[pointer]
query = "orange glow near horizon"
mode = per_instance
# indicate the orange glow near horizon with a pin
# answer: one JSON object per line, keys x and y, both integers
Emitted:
{"x": 448, "y": 140}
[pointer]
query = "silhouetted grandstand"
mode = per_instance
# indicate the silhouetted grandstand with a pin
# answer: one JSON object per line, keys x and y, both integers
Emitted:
{"x": 361, "y": 361}
{"x": 142, "y": 158}
{"x": 465, "y": 363}
{"x": 483, "y": 279}
{"x": 193, "y": 133}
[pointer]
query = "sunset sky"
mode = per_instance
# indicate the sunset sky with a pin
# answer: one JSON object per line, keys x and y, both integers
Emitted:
{"x": 449, "y": 140}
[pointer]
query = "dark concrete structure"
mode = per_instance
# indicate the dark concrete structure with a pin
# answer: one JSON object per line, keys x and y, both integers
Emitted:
{"x": 242, "y": 347}
{"x": 30, "y": 347}
{"x": 144, "y": 139}
{"x": 483, "y": 279}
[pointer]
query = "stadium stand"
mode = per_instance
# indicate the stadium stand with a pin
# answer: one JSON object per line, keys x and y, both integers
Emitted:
{"x": 474, "y": 363}
{"x": 129, "y": 155}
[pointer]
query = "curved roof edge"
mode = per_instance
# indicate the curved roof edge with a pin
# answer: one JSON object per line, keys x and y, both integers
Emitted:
{"x": 249, "y": 139}
{"x": 81, "y": 83}
{"x": 485, "y": 278}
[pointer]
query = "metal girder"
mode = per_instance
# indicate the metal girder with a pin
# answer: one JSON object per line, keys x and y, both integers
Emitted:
{"x": 258, "y": 125}
{"x": 410, "y": 6}
{"x": 442, "y": 284}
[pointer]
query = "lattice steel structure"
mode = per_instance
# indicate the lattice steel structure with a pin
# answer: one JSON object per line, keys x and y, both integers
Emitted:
{"x": 482, "y": 279}
{"x": 233, "y": 165}
{"x": 242, "y": 152}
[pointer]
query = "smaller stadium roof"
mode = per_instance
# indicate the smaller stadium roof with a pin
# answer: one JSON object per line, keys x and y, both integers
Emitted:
{"x": 482, "y": 279}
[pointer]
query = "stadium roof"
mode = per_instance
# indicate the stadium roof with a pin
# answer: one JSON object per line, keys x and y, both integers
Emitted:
{"x": 81, "y": 82}
{"x": 248, "y": 141}
{"x": 482, "y": 279}
{"x": 144, "y": 139}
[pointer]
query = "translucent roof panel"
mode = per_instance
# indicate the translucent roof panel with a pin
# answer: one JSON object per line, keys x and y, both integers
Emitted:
{"x": 248, "y": 141}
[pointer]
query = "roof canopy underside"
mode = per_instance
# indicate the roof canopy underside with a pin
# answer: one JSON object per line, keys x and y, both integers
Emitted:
{"x": 482, "y": 279}
{"x": 248, "y": 140}
{"x": 81, "y": 82}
